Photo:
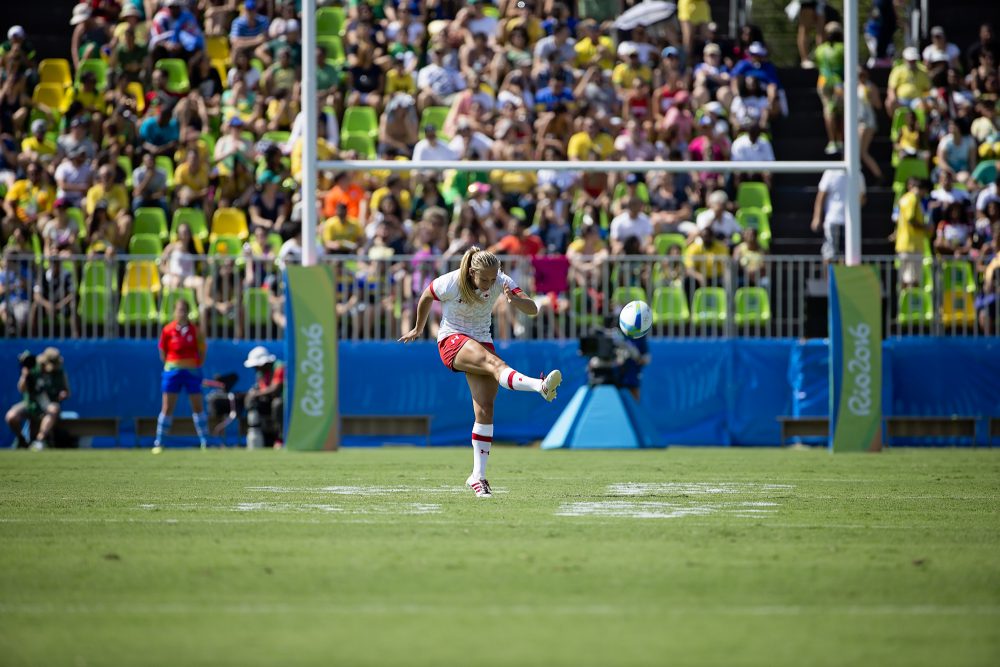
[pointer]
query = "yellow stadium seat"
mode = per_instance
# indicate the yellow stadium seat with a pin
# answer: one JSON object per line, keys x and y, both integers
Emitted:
{"x": 141, "y": 275}
{"x": 230, "y": 222}
{"x": 136, "y": 91}
{"x": 51, "y": 95}
{"x": 957, "y": 309}
{"x": 217, "y": 47}
{"x": 55, "y": 70}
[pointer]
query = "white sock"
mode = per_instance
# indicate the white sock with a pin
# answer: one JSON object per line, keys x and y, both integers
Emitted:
{"x": 511, "y": 379}
{"x": 482, "y": 440}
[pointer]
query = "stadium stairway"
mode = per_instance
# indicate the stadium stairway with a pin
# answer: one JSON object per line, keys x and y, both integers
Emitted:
{"x": 801, "y": 136}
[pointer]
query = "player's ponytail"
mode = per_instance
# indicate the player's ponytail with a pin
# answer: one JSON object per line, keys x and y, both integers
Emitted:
{"x": 474, "y": 259}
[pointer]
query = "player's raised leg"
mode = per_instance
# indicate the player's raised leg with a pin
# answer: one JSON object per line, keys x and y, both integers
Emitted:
{"x": 484, "y": 393}
{"x": 474, "y": 358}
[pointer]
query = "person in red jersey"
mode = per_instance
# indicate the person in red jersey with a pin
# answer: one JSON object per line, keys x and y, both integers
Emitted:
{"x": 466, "y": 346}
{"x": 182, "y": 350}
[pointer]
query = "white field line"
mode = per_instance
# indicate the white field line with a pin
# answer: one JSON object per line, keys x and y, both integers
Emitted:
{"x": 375, "y": 609}
{"x": 696, "y": 488}
{"x": 662, "y": 510}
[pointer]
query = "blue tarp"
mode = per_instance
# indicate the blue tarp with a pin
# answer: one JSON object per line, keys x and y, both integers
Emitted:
{"x": 698, "y": 392}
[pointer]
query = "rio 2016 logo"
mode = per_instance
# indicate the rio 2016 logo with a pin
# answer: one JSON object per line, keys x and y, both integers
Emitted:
{"x": 313, "y": 402}
{"x": 859, "y": 369}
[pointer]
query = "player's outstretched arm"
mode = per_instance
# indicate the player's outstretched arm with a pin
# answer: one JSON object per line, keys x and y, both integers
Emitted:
{"x": 423, "y": 312}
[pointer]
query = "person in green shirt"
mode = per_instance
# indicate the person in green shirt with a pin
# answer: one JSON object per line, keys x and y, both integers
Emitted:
{"x": 830, "y": 85}
{"x": 44, "y": 385}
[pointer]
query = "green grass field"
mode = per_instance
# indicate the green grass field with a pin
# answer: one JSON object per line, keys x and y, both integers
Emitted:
{"x": 380, "y": 557}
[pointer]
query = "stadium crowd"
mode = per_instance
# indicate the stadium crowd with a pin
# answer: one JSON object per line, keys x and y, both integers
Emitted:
{"x": 174, "y": 130}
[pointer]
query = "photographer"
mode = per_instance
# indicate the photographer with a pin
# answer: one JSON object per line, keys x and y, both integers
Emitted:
{"x": 264, "y": 400}
{"x": 615, "y": 359}
{"x": 45, "y": 387}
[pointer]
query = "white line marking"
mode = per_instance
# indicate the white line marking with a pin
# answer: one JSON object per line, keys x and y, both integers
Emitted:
{"x": 656, "y": 510}
{"x": 695, "y": 488}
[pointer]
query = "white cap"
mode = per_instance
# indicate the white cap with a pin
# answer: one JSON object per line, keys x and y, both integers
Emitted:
{"x": 81, "y": 13}
{"x": 910, "y": 53}
{"x": 258, "y": 357}
{"x": 16, "y": 32}
{"x": 291, "y": 25}
{"x": 718, "y": 198}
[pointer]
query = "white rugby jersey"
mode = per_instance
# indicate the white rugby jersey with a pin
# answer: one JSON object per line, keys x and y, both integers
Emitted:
{"x": 471, "y": 319}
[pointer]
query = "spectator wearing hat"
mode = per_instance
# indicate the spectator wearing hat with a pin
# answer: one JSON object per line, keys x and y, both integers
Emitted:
{"x": 130, "y": 59}
{"x": 711, "y": 78}
{"x": 941, "y": 54}
{"x": 89, "y": 35}
{"x": 37, "y": 147}
{"x": 757, "y": 66}
{"x": 593, "y": 47}
{"x": 44, "y": 386}
{"x": 438, "y": 83}
{"x": 18, "y": 42}
{"x": 149, "y": 184}
{"x": 752, "y": 146}
{"x": 61, "y": 233}
{"x": 175, "y": 32}
{"x": 74, "y": 176}
{"x": 908, "y": 81}
{"x": 628, "y": 71}
{"x": 263, "y": 402}
{"x": 28, "y": 202}
{"x": 639, "y": 41}
{"x": 130, "y": 18}
{"x": 290, "y": 38}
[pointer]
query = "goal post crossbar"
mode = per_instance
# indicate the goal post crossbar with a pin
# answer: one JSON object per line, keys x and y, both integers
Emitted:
{"x": 776, "y": 167}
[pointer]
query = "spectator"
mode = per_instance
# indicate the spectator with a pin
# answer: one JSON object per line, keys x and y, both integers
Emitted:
{"x": 632, "y": 223}
{"x": 74, "y": 176}
{"x": 830, "y": 212}
{"x": 912, "y": 232}
{"x": 62, "y": 233}
{"x": 28, "y": 201}
{"x": 263, "y": 403}
{"x": 249, "y": 30}
{"x": 750, "y": 103}
{"x": 711, "y": 77}
{"x": 955, "y": 234}
{"x": 868, "y": 103}
{"x": 191, "y": 181}
{"x": 986, "y": 302}
{"x": 987, "y": 44}
{"x": 957, "y": 150}
{"x": 89, "y": 35}
{"x": 430, "y": 148}
{"x": 945, "y": 194}
{"x": 705, "y": 259}
{"x": 348, "y": 192}
{"x": 720, "y": 222}
{"x": 175, "y": 32}
{"x": 399, "y": 127}
{"x": 519, "y": 239}
{"x": 830, "y": 85}
{"x": 438, "y": 83}
{"x": 38, "y": 147}
{"x": 908, "y": 81}
{"x": 115, "y": 198}
{"x": 44, "y": 385}
{"x": 149, "y": 184}
{"x": 941, "y": 54}
{"x": 752, "y": 146}
{"x": 990, "y": 193}
{"x": 179, "y": 262}
{"x": 270, "y": 207}
{"x": 160, "y": 134}
{"x": 693, "y": 15}
{"x": 129, "y": 58}
{"x": 751, "y": 260}
{"x": 54, "y": 294}
{"x": 15, "y": 300}
{"x": 77, "y": 138}
{"x": 340, "y": 233}
{"x": 289, "y": 39}
{"x": 222, "y": 302}
{"x": 759, "y": 67}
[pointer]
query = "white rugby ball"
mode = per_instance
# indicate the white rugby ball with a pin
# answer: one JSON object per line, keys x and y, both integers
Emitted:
{"x": 635, "y": 319}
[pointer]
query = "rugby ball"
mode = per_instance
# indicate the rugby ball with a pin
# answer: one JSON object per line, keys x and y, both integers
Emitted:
{"x": 635, "y": 319}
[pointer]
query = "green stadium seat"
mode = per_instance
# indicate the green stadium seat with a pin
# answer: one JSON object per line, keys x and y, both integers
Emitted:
{"x": 125, "y": 162}
{"x": 435, "y": 116}
{"x": 908, "y": 167}
{"x": 622, "y": 188}
{"x": 670, "y": 306}
{"x": 208, "y": 139}
{"x": 359, "y": 121}
{"x": 957, "y": 309}
{"x": 229, "y": 246}
{"x": 145, "y": 244}
{"x": 98, "y": 67}
{"x": 94, "y": 307}
{"x": 98, "y": 275}
{"x": 330, "y": 21}
{"x": 916, "y": 307}
{"x": 150, "y": 220}
{"x": 957, "y": 274}
{"x": 165, "y": 163}
{"x": 756, "y": 218}
{"x": 195, "y": 219}
{"x": 229, "y": 222}
{"x": 280, "y": 137}
{"x": 623, "y": 295}
{"x": 170, "y": 299}
{"x": 663, "y": 242}
{"x": 709, "y": 306}
{"x": 333, "y": 46}
{"x": 752, "y": 306}
{"x": 362, "y": 145}
{"x": 581, "y": 309}
{"x": 137, "y": 308}
{"x": 257, "y": 307}
{"x": 899, "y": 121}
{"x": 76, "y": 215}
{"x": 754, "y": 195}
{"x": 55, "y": 70}
{"x": 177, "y": 75}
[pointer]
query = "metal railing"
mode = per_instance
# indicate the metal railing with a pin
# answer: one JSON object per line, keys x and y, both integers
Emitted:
{"x": 242, "y": 298}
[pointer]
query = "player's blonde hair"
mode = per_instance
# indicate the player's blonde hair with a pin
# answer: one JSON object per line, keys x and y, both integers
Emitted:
{"x": 474, "y": 259}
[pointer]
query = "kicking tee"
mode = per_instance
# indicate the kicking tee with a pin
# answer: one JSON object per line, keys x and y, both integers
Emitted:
{"x": 471, "y": 319}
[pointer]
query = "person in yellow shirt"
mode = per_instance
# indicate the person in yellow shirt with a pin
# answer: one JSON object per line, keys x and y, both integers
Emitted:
{"x": 342, "y": 233}
{"x": 912, "y": 231}
{"x": 27, "y": 201}
{"x": 87, "y": 94}
{"x": 593, "y": 48}
{"x": 398, "y": 80}
{"x": 393, "y": 186}
{"x": 627, "y": 72}
{"x": 191, "y": 179}
{"x": 323, "y": 152}
{"x": 908, "y": 81}
{"x": 705, "y": 258}
{"x": 524, "y": 17}
{"x": 37, "y": 147}
{"x": 590, "y": 143}
{"x": 105, "y": 189}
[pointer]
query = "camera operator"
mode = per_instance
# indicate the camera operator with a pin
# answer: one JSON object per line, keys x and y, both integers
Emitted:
{"x": 44, "y": 384}
{"x": 263, "y": 402}
{"x": 614, "y": 358}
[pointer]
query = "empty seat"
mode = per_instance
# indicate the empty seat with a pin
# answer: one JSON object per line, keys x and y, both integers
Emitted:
{"x": 752, "y": 306}
{"x": 916, "y": 307}
{"x": 229, "y": 246}
{"x": 98, "y": 275}
{"x": 756, "y": 219}
{"x": 359, "y": 121}
{"x": 229, "y": 222}
{"x": 670, "y": 306}
{"x": 624, "y": 295}
{"x": 142, "y": 276}
{"x": 55, "y": 70}
{"x": 709, "y": 306}
{"x": 145, "y": 244}
{"x": 330, "y": 21}
{"x": 957, "y": 309}
{"x": 177, "y": 74}
{"x": 150, "y": 220}
{"x": 957, "y": 274}
{"x": 257, "y": 307}
{"x": 95, "y": 304}
{"x": 51, "y": 95}
{"x": 137, "y": 308}
{"x": 754, "y": 195}
{"x": 333, "y": 46}
{"x": 584, "y": 309}
{"x": 363, "y": 145}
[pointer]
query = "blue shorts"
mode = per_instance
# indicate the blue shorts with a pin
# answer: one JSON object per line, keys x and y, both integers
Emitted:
{"x": 181, "y": 378}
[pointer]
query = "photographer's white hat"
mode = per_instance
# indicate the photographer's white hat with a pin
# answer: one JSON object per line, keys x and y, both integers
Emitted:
{"x": 258, "y": 357}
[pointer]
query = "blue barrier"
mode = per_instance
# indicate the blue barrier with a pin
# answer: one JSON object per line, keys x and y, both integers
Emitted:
{"x": 698, "y": 392}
